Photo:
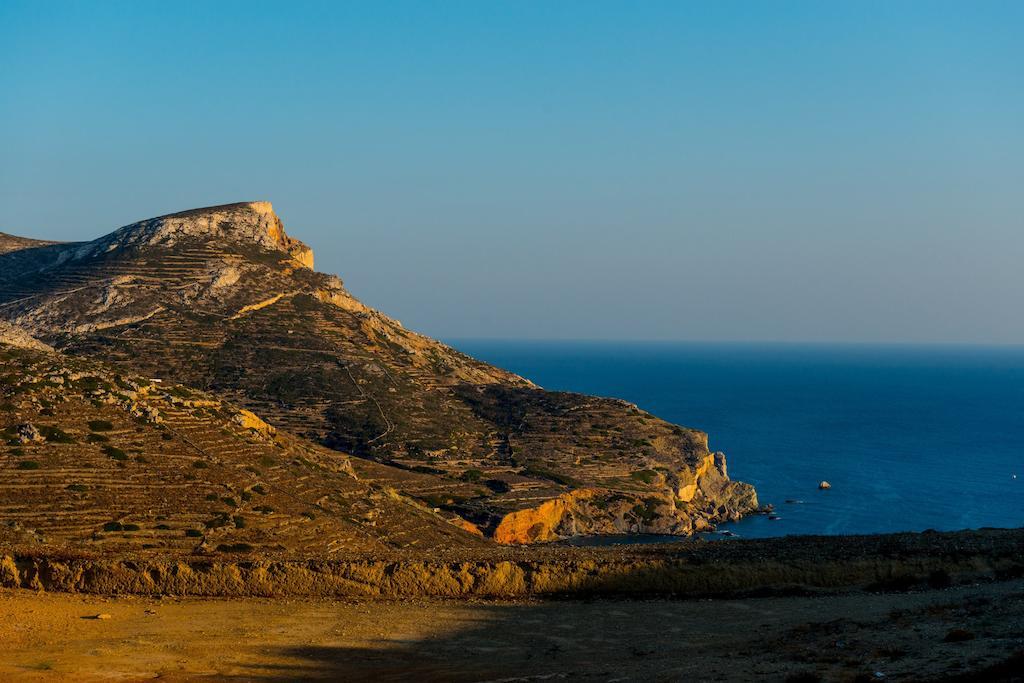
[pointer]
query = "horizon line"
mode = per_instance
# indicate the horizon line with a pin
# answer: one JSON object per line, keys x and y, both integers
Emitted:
{"x": 734, "y": 342}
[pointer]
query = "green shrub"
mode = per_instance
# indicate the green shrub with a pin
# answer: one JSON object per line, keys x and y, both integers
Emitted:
{"x": 471, "y": 475}
{"x": 78, "y": 488}
{"x": 217, "y": 522}
{"x": 239, "y": 521}
{"x": 113, "y": 526}
{"x": 645, "y": 476}
{"x": 54, "y": 434}
{"x": 101, "y": 425}
{"x": 115, "y": 453}
{"x": 28, "y": 465}
{"x": 193, "y": 533}
{"x": 234, "y": 548}
{"x": 543, "y": 473}
{"x": 96, "y": 438}
{"x": 200, "y": 464}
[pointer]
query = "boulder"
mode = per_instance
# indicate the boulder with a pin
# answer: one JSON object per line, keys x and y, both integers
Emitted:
{"x": 28, "y": 433}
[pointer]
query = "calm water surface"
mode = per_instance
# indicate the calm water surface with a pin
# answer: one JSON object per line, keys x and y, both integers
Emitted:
{"x": 911, "y": 438}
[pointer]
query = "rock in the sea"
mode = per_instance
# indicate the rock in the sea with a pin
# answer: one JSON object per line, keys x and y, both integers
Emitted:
{"x": 824, "y": 485}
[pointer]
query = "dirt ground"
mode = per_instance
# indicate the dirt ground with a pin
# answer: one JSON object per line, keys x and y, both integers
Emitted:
{"x": 909, "y": 636}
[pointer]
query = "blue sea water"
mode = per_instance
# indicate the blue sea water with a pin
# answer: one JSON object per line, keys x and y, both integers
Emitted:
{"x": 910, "y": 437}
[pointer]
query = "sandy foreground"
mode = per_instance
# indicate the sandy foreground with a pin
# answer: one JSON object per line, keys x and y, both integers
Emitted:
{"x": 894, "y": 636}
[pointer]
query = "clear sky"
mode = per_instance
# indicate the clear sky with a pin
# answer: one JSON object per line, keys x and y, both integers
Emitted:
{"x": 843, "y": 171}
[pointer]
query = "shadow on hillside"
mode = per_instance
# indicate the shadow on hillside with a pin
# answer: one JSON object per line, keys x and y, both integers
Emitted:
{"x": 841, "y": 638}
{"x": 467, "y": 643}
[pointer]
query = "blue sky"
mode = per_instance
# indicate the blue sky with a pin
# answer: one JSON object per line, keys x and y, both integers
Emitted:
{"x": 819, "y": 171}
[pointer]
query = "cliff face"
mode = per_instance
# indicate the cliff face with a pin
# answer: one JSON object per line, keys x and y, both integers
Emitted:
{"x": 244, "y": 223}
{"x": 222, "y": 299}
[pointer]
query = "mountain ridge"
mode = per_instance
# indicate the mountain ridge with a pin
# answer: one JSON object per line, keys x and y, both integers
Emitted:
{"x": 223, "y": 300}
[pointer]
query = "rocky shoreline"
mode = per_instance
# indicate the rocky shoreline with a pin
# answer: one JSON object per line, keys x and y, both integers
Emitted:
{"x": 779, "y": 566}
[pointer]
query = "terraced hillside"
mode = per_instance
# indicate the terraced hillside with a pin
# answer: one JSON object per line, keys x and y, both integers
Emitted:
{"x": 223, "y": 300}
{"x": 97, "y": 460}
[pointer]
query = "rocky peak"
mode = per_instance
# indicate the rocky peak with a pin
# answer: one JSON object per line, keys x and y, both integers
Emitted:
{"x": 246, "y": 222}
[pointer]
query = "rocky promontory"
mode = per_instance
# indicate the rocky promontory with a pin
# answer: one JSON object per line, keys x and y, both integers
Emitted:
{"x": 223, "y": 301}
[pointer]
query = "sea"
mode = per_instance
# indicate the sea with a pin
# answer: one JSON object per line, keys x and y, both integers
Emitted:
{"x": 910, "y": 438}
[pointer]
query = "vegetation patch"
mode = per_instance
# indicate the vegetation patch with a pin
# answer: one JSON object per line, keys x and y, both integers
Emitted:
{"x": 471, "y": 475}
{"x": 115, "y": 453}
{"x": 101, "y": 425}
{"x": 218, "y": 521}
{"x": 543, "y": 473}
{"x": 55, "y": 434}
{"x": 645, "y": 476}
{"x": 234, "y": 548}
{"x": 28, "y": 465}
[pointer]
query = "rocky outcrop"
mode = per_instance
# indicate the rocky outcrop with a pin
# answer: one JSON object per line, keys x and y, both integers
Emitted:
{"x": 253, "y": 223}
{"x": 249, "y": 420}
{"x": 549, "y": 521}
{"x": 15, "y": 336}
{"x": 710, "y": 498}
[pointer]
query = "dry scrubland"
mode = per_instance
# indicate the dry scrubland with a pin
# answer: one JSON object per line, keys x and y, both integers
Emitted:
{"x": 963, "y": 634}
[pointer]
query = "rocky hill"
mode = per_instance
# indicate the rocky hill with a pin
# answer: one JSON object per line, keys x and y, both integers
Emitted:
{"x": 94, "y": 459}
{"x": 223, "y": 300}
